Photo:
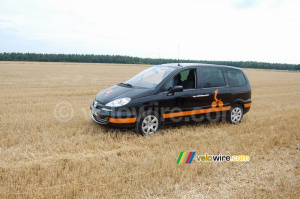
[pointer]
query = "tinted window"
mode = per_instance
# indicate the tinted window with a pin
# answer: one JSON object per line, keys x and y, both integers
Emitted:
{"x": 186, "y": 79}
{"x": 235, "y": 77}
{"x": 213, "y": 77}
{"x": 169, "y": 85}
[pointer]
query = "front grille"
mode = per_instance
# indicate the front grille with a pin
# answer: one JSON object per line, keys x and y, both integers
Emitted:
{"x": 100, "y": 119}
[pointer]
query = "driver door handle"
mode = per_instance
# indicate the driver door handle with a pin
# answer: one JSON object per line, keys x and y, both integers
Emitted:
{"x": 195, "y": 96}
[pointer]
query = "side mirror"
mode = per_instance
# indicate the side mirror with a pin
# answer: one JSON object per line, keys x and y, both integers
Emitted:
{"x": 175, "y": 89}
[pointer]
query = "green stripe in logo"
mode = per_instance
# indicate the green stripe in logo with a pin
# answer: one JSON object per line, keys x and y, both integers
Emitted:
{"x": 179, "y": 158}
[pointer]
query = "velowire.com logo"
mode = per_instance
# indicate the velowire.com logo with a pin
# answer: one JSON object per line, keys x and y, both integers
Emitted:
{"x": 187, "y": 158}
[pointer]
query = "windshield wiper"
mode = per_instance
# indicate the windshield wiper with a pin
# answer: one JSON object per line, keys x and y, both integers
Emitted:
{"x": 125, "y": 84}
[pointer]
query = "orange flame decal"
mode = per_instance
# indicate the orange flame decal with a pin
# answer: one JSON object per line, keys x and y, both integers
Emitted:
{"x": 217, "y": 102}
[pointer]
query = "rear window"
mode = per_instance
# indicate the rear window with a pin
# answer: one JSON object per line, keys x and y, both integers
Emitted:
{"x": 235, "y": 77}
{"x": 213, "y": 77}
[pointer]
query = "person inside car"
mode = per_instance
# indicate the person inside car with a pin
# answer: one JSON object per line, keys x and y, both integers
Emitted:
{"x": 189, "y": 83}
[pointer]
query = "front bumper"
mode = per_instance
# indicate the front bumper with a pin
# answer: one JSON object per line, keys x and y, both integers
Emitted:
{"x": 113, "y": 117}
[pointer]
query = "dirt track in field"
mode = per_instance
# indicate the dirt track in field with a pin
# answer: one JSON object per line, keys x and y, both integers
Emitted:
{"x": 42, "y": 156}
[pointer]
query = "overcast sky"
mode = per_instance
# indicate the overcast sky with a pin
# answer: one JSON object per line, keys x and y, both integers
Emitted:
{"x": 247, "y": 30}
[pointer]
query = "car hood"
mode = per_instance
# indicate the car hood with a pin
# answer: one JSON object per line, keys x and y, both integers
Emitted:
{"x": 116, "y": 92}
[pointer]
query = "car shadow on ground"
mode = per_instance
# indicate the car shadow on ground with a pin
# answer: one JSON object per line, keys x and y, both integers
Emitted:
{"x": 191, "y": 124}
{"x": 118, "y": 131}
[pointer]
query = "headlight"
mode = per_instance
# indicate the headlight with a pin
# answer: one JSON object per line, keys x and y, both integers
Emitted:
{"x": 119, "y": 102}
{"x": 95, "y": 103}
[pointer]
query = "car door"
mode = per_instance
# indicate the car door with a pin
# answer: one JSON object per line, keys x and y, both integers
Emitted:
{"x": 215, "y": 94}
{"x": 180, "y": 104}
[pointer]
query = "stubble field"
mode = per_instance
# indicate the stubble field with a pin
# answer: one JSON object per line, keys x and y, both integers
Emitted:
{"x": 45, "y": 155}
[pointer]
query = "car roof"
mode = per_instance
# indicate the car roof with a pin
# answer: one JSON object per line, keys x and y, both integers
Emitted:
{"x": 184, "y": 65}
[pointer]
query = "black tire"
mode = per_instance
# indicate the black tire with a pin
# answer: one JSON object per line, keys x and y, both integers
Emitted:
{"x": 141, "y": 126}
{"x": 235, "y": 114}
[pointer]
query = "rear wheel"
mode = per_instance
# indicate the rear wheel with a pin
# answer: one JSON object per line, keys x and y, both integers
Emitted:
{"x": 148, "y": 123}
{"x": 235, "y": 114}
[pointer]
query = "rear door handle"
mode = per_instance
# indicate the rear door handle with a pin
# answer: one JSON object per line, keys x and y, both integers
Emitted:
{"x": 195, "y": 96}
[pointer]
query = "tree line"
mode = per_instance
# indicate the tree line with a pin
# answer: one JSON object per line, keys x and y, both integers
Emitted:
{"x": 91, "y": 58}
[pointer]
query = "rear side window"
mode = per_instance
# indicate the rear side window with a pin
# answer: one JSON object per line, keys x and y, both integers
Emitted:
{"x": 212, "y": 77}
{"x": 235, "y": 77}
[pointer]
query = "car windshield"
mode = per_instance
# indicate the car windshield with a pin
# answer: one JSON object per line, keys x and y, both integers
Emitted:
{"x": 151, "y": 77}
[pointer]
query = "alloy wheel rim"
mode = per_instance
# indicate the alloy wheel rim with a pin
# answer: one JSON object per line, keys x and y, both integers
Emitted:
{"x": 236, "y": 115}
{"x": 150, "y": 124}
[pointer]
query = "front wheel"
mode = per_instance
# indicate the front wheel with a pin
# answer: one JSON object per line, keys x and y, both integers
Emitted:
{"x": 148, "y": 123}
{"x": 235, "y": 114}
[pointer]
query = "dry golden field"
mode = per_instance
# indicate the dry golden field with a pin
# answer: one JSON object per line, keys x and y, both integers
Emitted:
{"x": 43, "y": 157}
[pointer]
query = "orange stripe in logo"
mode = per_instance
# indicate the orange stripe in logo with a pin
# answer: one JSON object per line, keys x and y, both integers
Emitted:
{"x": 194, "y": 112}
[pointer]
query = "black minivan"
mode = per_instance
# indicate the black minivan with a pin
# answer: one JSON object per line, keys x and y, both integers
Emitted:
{"x": 174, "y": 93}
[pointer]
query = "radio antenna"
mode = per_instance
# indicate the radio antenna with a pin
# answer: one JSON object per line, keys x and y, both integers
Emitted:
{"x": 158, "y": 53}
{"x": 178, "y": 55}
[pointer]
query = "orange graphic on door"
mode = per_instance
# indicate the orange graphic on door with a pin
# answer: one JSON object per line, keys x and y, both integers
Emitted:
{"x": 217, "y": 102}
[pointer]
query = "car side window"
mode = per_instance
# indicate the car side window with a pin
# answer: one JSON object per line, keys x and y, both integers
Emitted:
{"x": 186, "y": 79}
{"x": 212, "y": 77}
{"x": 235, "y": 77}
{"x": 169, "y": 85}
